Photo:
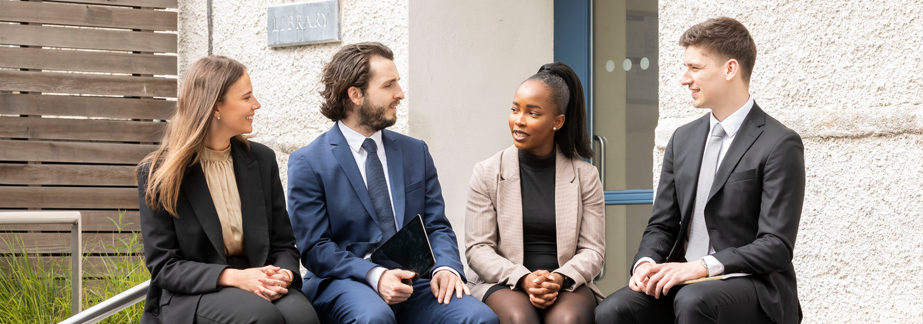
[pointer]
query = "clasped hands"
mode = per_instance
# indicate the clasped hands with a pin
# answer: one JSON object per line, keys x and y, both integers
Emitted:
{"x": 542, "y": 287}
{"x": 657, "y": 279}
{"x": 268, "y": 282}
{"x": 394, "y": 290}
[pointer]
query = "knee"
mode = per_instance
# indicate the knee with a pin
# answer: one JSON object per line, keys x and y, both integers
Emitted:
{"x": 568, "y": 316}
{"x": 518, "y": 315}
{"x": 376, "y": 314}
{"x": 484, "y": 315}
{"x": 615, "y": 307}
{"x": 266, "y": 315}
{"x": 687, "y": 302}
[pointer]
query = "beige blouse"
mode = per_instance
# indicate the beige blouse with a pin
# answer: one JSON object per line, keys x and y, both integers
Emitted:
{"x": 222, "y": 184}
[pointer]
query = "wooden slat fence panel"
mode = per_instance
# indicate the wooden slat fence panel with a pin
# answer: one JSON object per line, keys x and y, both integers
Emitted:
{"x": 85, "y": 106}
{"x": 65, "y": 174}
{"x": 86, "y": 84}
{"x": 87, "y": 38}
{"x": 68, "y": 197}
{"x": 59, "y": 242}
{"x": 85, "y": 61}
{"x": 93, "y": 221}
{"x": 11, "y": 150}
{"x": 77, "y": 99}
{"x": 161, "y": 4}
{"x": 89, "y": 16}
{"x": 77, "y": 129}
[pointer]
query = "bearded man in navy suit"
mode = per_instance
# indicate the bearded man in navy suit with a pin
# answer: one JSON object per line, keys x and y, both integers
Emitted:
{"x": 354, "y": 187}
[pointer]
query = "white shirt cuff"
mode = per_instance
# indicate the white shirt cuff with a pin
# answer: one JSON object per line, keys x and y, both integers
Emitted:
{"x": 373, "y": 276}
{"x": 445, "y": 268}
{"x": 715, "y": 268}
{"x": 641, "y": 260}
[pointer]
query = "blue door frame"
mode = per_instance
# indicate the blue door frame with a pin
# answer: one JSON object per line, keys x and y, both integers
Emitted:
{"x": 573, "y": 34}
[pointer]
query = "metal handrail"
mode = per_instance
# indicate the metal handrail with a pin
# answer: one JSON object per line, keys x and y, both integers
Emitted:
{"x": 110, "y": 306}
{"x": 58, "y": 217}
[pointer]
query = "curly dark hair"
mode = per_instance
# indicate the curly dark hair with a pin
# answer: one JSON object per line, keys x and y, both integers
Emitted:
{"x": 350, "y": 67}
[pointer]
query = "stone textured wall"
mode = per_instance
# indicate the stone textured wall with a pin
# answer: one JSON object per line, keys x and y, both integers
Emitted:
{"x": 845, "y": 75}
{"x": 286, "y": 79}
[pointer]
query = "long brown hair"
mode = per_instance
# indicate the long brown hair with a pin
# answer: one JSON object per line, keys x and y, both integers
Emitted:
{"x": 204, "y": 87}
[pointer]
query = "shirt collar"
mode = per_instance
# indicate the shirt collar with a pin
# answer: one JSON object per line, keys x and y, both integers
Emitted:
{"x": 732, "y": 123}
{"x": 354, "y": 139}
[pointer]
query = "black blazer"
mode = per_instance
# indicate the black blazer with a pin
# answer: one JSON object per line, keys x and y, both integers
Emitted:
{"x": 753, "y": 209}
{"x": 185, "y": 254}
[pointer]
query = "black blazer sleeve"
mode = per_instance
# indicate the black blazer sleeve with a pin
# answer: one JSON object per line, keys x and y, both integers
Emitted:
{"x": 169, "y": 269}
{"x": 282, "y": 251}
{"x": 664, "y": 225}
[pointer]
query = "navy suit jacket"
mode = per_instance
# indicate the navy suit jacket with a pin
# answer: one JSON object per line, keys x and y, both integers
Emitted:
{"x": 332, "y": 215}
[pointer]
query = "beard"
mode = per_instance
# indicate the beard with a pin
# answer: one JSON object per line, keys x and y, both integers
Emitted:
{"x": 375, "y": 118}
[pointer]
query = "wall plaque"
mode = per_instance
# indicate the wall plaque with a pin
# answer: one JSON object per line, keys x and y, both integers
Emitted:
{"x": 303, "y": 23}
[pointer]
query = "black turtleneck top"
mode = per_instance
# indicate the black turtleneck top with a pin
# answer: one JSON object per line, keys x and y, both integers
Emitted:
{"x": 540, "y": 246}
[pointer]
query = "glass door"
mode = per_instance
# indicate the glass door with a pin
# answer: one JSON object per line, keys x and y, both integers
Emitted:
{"x": 624, "y": 76}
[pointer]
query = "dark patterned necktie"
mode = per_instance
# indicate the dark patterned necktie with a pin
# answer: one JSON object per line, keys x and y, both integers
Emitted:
{"x": 378, "y": 190}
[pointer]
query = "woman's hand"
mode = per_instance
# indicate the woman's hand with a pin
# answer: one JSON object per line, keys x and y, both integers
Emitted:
{"x": 274, "y": 285}
{"x": 542, "y": 287}
{"x": 246, "y": 279}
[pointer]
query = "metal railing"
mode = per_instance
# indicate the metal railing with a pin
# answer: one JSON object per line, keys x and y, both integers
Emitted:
{"x": 57, "y": 217}
{"x": 110, "y": 306}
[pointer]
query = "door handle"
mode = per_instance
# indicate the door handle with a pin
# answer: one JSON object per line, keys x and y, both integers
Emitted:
{"x": 601, "y": 158}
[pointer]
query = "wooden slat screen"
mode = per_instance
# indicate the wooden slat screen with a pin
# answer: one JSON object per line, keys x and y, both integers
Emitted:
{"x": 86, "y": 89}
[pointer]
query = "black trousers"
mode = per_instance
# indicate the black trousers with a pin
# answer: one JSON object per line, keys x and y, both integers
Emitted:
{"x": 232, "y": 306}
{"x": 732, "y": 300}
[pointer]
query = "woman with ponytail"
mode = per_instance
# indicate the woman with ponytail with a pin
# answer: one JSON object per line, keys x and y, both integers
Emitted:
{"x": 217, "y": 238}
{"x": 535, "y": 223}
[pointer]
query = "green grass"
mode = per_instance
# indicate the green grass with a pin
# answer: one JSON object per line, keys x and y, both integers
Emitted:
{"x": 39, "y": 292}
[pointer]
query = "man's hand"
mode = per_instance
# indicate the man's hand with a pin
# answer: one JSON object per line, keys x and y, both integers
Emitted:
{"x": 444, "y": 283}
{"x": 542, "y": 287}
{"x": 640, "y": 277}
{"x": 390, "y": 287}
{"x": 668, "y": 275}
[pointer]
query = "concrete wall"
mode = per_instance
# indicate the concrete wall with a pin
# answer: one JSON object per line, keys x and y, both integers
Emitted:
{"x": 467, "y": 60}
{"x": 846, "y": 76}
{"x": 286, "y": 80}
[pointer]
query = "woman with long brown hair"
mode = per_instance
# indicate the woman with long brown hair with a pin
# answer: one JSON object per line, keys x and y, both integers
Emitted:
{"x": 217, "y": 238}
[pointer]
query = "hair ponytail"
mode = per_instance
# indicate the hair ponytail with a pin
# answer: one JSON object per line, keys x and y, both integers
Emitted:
{"x": 567, "y": 93}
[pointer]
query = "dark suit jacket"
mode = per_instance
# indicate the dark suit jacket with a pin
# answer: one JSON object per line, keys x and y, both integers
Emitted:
{"x": 332, "y": 214}
{"x": 185, "y": 254}
{"x": 753, "y": 209}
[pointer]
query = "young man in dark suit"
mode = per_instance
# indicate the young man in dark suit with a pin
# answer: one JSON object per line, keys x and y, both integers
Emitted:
{"x": 729, "y": 202}
{"x": 354, "y": 187}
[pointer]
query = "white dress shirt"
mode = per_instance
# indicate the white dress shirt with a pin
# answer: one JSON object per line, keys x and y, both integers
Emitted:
{"x": 731, "y": 125}
{"x": 355, "y": 140}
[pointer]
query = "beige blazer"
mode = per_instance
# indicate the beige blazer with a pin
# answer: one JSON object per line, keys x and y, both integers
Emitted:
{"x": 493, "y": 223}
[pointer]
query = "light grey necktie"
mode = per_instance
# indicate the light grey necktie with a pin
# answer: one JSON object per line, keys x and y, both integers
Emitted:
{"x": 698, "y": 232}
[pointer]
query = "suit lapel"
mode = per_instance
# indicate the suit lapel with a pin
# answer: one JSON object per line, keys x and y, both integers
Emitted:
{"x": 509, "y": 203}
{"x": 395, "y": 174}
{"x": 749, "y": 131}
{"x": 565, "y": 205}
{"x": 252, "y": 210}
{"x": 344, "y": 156}
{"x": 200, "y": 198}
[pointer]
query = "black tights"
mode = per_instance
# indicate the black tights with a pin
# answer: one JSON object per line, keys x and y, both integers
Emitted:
{"x": 513, "y": 306}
